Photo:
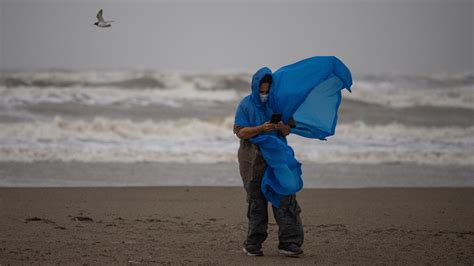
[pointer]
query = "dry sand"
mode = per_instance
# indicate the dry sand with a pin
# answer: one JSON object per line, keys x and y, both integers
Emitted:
{"x": 206, "y": 225}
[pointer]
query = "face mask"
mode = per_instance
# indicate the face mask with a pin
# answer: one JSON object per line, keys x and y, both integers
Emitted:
{"x": 263, "y": 97}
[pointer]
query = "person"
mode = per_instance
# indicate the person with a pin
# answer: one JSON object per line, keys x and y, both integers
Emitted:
{"x": 252, "y": 118}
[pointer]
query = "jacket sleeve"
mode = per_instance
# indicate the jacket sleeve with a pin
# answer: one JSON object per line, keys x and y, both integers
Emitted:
{"x": 241, "y": 116}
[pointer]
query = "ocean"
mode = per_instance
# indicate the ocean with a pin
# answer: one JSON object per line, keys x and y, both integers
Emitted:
{"x": 107, "y": 119}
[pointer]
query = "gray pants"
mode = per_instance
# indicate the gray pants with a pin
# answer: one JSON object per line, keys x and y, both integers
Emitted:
{"x": 287, "y": 216}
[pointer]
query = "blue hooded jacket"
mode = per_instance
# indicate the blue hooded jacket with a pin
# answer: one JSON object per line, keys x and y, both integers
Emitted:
{"x": 251, "y": 111}
{"x": 310, "y": 92}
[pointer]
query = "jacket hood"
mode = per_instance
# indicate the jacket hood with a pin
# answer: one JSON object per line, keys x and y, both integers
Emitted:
{"x": 256, "y": 84}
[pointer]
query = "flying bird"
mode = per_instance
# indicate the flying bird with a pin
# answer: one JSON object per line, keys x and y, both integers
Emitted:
{"x": 101, "y": 22}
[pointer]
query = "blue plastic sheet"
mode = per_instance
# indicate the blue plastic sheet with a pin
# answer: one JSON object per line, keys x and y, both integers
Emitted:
{"x": 310, "y": 92}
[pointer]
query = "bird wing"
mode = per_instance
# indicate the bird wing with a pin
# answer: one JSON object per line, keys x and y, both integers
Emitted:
{"x": 99, "y": 15}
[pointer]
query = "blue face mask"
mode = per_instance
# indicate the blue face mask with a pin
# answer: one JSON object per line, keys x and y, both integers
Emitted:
{"x": 263, "y": 97}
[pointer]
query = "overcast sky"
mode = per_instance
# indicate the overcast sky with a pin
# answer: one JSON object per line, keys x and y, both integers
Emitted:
{"x": 406, "y": 36}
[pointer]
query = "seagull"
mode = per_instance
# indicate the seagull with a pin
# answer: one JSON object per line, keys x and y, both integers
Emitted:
{"x": 101, "y": 22}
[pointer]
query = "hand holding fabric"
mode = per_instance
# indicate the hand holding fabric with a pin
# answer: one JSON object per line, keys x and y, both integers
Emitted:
{"x": 267, "y": 126}
{"x": 284, "y": 129}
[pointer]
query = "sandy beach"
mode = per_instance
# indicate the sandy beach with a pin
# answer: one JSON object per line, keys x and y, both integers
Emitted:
{"x": 117, "y": 140}
{"x": 206, "y": 225}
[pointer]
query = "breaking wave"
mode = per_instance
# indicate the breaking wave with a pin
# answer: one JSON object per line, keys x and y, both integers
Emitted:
{"x": 127, "y": 79}
{"x": 210, "y": 141}
{"x": 396, "y": 91}
{"x": 442, "y": 90}
{"x": 102, "y": 96}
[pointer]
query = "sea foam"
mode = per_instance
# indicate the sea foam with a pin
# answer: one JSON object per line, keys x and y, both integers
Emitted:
{"x": 209, "y": 141}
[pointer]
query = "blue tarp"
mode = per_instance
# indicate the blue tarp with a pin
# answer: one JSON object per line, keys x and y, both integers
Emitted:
{"x": 310, "y": 92}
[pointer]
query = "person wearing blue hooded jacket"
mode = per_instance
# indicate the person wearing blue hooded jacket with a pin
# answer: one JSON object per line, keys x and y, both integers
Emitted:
{"x": 252, "y": 119}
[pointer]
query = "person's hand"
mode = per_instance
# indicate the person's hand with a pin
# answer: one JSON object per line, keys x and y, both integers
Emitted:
{"x": 267, "y": 126}
{"x": 284, "y": 129}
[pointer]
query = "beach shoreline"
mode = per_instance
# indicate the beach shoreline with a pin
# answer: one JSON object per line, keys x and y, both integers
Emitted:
{"x": 149, "y": 174}
{"x": 175, "y": 225}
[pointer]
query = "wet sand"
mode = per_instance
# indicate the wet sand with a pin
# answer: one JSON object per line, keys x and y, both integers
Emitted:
{"x": 315, "y": 175}
{"x": 175, "y": 225}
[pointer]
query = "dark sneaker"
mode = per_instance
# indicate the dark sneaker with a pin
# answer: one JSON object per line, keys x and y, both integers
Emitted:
{"x": 291, "y": 251}
{"x": 257, "y": 252}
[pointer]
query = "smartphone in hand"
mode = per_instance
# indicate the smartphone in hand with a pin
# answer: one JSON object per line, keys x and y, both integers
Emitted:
{"x": 276, "y": 117}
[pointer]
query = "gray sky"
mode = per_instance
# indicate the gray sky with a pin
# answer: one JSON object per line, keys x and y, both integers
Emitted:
{"x": 424, "y": 37}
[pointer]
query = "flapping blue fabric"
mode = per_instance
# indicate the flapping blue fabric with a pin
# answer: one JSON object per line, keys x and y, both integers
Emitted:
{"x": 310, "y": 92}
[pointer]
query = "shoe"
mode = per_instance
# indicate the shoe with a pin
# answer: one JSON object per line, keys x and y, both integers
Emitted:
{"x": 291, "y": 251}
{"x": 257, "y": 252}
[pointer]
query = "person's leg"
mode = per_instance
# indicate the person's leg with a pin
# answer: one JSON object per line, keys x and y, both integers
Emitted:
{"x": 257, "y": 214}
{"x": 290, "y": 227}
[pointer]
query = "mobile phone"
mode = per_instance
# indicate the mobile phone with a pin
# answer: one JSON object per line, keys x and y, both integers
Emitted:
{"x": 276, "y": 117}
